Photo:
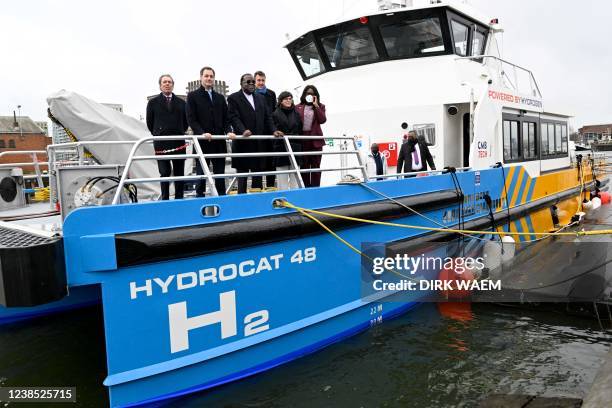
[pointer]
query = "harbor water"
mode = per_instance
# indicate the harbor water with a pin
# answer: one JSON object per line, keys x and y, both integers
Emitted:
{"x": 420, "y": 359}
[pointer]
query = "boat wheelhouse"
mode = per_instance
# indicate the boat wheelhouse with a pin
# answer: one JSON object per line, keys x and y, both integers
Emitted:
{"x": 438, "y": 70}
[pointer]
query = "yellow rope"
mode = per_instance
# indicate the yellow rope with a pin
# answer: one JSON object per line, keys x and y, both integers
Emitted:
{"x": 392, "y": 224}
{"x": 345, "y": 242}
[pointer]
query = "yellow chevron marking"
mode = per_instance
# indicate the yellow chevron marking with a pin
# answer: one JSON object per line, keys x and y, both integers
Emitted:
{"x": 530, "y": 180}
{"x": 517, "y": 187}
{"x": 507, "y": 183}
{"x": 525, "y": 227}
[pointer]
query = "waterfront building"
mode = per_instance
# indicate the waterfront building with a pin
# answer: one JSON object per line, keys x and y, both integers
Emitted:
{"x": 21, "y": 133}
{"x": 595, "y": 133}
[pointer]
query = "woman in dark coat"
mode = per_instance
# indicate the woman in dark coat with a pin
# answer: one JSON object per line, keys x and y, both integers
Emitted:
{"x": 288, "y": 121}
{"x": 312, "y": 114}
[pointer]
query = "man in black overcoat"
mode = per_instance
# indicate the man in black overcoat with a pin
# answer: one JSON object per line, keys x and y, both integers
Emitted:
{"x": 414, "y": 156}
{"x": 166, "y": 117}
{"x": 249, "y": 115}
{"x": 207, "y": 115}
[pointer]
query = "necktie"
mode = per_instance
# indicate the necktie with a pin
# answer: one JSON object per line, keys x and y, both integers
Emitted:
{"x": 168, "y": 101}
{"x": 415, "y": 156}
{"x": 209, "y": 95}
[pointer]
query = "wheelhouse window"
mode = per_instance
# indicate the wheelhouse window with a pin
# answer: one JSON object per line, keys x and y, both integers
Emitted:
{"x": 351, "y": 47}
{"x": 460, "y": 37}
{"x": 413, "y": 38}
{"x": 478, "y": 43}
{"x": 308, "y": 57}
{"x": 511, "y": 140}
{"x": 426, "y": 132}
{"x": 390, "y": 36}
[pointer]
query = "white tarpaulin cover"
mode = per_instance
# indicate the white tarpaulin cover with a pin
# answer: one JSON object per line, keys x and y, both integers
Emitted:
{"x": 91, "y": 121}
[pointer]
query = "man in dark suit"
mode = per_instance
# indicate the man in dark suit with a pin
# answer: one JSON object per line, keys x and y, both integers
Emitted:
{"x": 166, "y": 117}
{"x": 414, "y": 156}
{"x": 249, "y": 115}
{"x": 207, "y": 115}
{"x": 267, "y": 145}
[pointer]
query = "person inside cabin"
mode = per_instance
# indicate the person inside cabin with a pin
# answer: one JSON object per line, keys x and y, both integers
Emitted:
{"x": 288, "y": 121}
{"x": 270, "y": 95}
{"x": 312, "y": 114}
{"x": 207, "y": 115}
{"x": 414, "y": 156}
{"x": 376, "y": 163}
{"x": 166, "y": 117}
{"x": 249, "y": 115}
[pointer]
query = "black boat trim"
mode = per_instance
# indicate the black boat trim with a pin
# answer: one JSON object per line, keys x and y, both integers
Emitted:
{"x": 500, "y": 217}
{"x": 32, "y": 268}
{"x": 137, "y": 248}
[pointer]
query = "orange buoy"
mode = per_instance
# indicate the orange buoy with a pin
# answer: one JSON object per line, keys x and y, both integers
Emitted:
{"x": 455, "y": 275}
{"x": 461, "y": 311}
{"x": 605, "y": 197}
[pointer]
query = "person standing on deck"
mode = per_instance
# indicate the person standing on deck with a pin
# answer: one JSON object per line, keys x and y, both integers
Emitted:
{"x": 312, "y": 114}
{"x": 249, "y": 115}
{"x": 288, "y": 121}
{"x": 376, "y": 163}
{"x": 414, "y": 156}
{"x": 166, "y": 117}
{"x": 270, "y": 95}
{"x": 207, "y": 115}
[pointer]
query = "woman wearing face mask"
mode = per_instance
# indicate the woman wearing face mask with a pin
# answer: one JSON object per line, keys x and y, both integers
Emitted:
{"x": 312, "y": 114}
{"x": 288, "y": 121}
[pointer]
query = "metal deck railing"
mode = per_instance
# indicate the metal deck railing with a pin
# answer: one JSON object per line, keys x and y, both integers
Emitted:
{"x": 509, "y": 73}
{"x": 34, "y": 163}
{"x": 210, "y": 177}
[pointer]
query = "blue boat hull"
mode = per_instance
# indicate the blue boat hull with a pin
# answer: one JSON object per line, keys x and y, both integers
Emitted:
{"x": 192, "y": 301}
{"x": 79, "y": 296}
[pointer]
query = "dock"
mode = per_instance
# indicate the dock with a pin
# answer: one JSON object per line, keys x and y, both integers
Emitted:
{"x": 600, "y": 395}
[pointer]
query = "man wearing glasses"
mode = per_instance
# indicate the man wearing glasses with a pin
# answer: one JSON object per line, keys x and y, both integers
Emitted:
{"x": 249, "y": 115}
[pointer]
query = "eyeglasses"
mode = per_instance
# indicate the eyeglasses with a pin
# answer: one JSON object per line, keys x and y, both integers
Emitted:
{"x": 249, "y": 82}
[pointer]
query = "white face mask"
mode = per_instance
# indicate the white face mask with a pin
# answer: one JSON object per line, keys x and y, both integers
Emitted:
{"x": 309, "y": 98}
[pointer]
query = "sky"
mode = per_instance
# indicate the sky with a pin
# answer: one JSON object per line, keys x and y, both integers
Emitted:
{"x": 113, "y": 51}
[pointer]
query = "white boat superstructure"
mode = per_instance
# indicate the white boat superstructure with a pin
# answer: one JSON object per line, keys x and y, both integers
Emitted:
{"x": 436, "y": 69}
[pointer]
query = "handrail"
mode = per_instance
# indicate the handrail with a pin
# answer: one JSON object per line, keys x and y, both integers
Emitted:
{"x": 35, "y": 163}
{"x": 202, "y": 157}
{"x": 414, "y": 173}
{"x": 515, "y": 66}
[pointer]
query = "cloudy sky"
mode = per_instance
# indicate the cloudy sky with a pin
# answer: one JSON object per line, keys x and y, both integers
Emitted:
{"x": 114, "y": 50}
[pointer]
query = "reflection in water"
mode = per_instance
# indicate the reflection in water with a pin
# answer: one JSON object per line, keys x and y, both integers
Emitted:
{"x": 433, "y": 356}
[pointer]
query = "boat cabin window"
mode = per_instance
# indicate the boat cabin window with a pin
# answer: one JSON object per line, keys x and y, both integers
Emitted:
{"x": 413, "y": 38}
{"x": 460, "y": 37}
{"x": 307, "y": 55}
{"x": 2, "y": 144}
{"x": 511, "y": 140}
{"x": 554, "y": 139}
{"x": 351, "y": 47}
{"x": 426, "y": 132}
{"x": 522, "y": 142}
{"x": 529, "y": 140}
{"x": 12, "y": 144}
{"x": 478, "y": 43}
{"x": 387, "y": 36}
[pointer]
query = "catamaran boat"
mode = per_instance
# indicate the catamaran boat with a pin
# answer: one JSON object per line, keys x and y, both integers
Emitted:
{"x": 200, "y": 292}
